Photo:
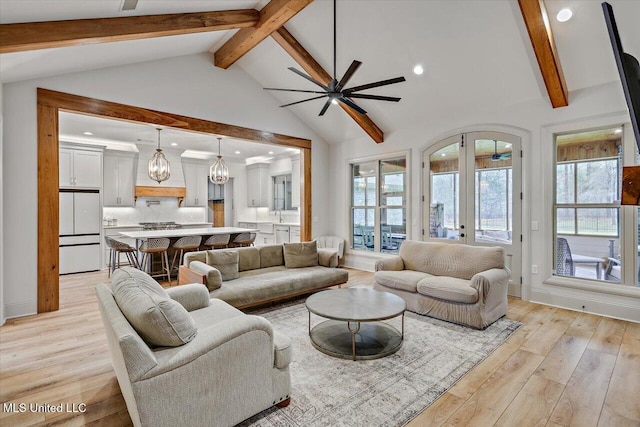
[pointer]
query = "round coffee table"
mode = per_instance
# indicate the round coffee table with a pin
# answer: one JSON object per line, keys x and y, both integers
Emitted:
{"x": 355, "y": 329}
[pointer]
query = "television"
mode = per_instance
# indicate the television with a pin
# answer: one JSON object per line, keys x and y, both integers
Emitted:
{"x": 629, "y": 71}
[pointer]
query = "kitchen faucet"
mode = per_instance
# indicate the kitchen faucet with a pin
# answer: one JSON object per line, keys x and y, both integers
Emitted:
{"x": 279, "y": 211}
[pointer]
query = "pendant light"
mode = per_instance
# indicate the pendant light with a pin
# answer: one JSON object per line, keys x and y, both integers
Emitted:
{"x": 159, "y": 167}
{"x": 219, "y": 172}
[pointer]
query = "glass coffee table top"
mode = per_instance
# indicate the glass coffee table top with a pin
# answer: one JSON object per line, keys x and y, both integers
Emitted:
{"x": 355, "y": 329}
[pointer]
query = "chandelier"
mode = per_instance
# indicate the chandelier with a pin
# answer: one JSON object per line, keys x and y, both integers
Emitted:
{"x": 219, "y": 172}
{"x": 159, "y": 167}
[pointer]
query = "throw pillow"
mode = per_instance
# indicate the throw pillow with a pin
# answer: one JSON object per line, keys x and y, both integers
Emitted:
{"x": 298, "y": 255}
{"x": 159, "y": 320}
{"x": 225, "y": 261}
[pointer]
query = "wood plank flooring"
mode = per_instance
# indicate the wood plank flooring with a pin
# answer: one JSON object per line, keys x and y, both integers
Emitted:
{"x": 561, "y": 368}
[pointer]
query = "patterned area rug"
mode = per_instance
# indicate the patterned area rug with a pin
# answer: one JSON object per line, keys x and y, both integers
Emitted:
{"x": 327, "y": 391}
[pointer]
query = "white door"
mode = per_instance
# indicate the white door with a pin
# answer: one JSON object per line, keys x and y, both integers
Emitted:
{"x": 66, "y": 214}
{"x": 65, "y": 166}
{"x": 472, "y": 193}
{"x": 87, "y": 217}
{"x": 87, "y": 169}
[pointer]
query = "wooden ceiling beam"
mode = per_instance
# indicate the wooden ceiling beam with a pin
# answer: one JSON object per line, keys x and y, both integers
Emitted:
{"x": 536, "y": 20}
{"x": 273, "y": 16}
{"x": 315, "y": 70}
{"x": 52, "y": 34}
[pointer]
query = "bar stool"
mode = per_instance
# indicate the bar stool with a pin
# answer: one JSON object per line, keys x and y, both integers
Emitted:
{"x": 115, "y": 249}
{"x": 244, "y": 239}
{"x": 185, "y": 244}
{"x": 218, "y": 241}
{"x": 160, "y": 246}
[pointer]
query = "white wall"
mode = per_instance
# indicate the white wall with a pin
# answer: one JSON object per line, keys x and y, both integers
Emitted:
{"x": 529, "y": 120}
{"x": 188, "y": 85}
{"x": 2, "y": 222}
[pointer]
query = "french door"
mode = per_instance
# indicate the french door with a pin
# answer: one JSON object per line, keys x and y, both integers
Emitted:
{"x": 472, "y": 194}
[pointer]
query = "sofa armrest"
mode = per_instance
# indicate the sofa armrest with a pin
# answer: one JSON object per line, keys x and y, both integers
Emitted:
{"x": 192, "y": 296}
{"x": 327, "y": 257}
{"x": 212, "y": 274}
{"x": 492, "y": 285}
{"x": 393, "y": 263}
{"x": 215, "y": 337}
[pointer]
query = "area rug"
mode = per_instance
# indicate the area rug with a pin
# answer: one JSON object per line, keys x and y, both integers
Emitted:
{"x": 328, "y": 391}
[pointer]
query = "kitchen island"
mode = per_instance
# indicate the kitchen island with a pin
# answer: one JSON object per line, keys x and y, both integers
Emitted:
{"x": 155, "y": 267}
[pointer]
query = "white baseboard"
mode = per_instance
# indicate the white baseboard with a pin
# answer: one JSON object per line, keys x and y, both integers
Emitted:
{"x": 20, "y": 309}
{"x": 621, "y": 308}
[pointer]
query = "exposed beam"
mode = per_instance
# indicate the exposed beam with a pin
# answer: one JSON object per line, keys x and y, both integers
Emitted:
{"x": 315, "y": 70}
{"x": 51, "y": 34}
{"x": 536, "y": 20}
{"x": 272, "y": 16}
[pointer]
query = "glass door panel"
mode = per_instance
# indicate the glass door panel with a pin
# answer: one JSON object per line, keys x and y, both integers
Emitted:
{"x": 444, "y": 184}
{"x": 393, "y": 223}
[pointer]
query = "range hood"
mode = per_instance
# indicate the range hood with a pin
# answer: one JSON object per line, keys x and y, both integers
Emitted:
{"x": 149, "y": 191}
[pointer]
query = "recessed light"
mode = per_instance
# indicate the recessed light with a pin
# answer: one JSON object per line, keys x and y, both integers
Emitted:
{"x": 564, "y": 15}
{"x": 418, "y": 69}
{"x": 270, "y": 152}
{"x": 237, "y": 152}
{"x": 617, "y": 131}
{"x": 175, "y": 144}
{"x": 87, "y": 133}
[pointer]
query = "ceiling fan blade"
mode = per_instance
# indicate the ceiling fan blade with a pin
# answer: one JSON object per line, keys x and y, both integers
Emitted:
{"x": 347, "y": 76}
{"x": 293, "y": 90}
{"x": 304, "y": 100}
{"x": 376, "y": 97}
{"x": 325, "y": 108}
{"x": 311, "y": 79}
{"x": 351, "y": 104}
{"x": 376, "y": 84}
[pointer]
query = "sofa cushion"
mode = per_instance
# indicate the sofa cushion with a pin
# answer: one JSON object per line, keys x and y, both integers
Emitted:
{"x": 159, "y": 320}
{"x": 248, "y": 258}
{"x": 405, "y": 280}
{"x": 448, "y": 288}
{"x": 225, "y": 261}
{"x": 271, "y": 256}
{"x": 299, "y": 255}
{"x": 444, "y": 259}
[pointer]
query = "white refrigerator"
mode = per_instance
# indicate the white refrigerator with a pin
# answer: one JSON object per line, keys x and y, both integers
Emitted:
{"x": 80, "y": 227}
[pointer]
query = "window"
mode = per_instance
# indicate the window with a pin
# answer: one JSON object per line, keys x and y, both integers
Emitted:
{"x": 587, "y": 212}
{"x": 378, "y": 204}
{"x": 282, "y": 192}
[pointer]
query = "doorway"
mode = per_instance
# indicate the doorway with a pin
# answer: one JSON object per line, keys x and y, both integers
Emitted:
{"x": 473, "y": 194}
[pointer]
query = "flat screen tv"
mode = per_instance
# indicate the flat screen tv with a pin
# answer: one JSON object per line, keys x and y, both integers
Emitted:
{"x": 629, "y": 71}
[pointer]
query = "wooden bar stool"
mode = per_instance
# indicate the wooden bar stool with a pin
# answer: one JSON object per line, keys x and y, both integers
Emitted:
{"x": 185, "y": 244}
{"x": 244, "y": 239}
{"x": 115, "y": 249}
{"x": 218, "y": 241}
{"x": 155, "y": 246}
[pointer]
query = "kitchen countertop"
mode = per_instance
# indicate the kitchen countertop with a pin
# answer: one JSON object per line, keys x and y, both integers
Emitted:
{"x": 187, "y": 224}
{"x": 181, "y": 232}
{"x": 288, "y": 224}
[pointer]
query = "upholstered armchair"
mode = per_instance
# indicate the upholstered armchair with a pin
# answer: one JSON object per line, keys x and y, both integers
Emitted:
{"x": 190, "y": 361}
{"x": 331, "y": 243}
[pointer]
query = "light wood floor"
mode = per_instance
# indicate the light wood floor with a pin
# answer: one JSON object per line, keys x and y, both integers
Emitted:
{"x": 560, "y": 368}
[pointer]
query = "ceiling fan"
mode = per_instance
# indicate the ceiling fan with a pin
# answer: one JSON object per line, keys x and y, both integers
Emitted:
{"x": 335, "y": 91}
{"x": 495, "y": 157}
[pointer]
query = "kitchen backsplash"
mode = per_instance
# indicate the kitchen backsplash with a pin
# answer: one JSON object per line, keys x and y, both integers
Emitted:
{"x": 166, "y": 210}
{"x": 264, "y": 214}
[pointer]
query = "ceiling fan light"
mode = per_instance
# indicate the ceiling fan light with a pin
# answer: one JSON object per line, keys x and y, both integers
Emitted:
{"x": 334, "y": 101}
{"x": 159, "y": 167}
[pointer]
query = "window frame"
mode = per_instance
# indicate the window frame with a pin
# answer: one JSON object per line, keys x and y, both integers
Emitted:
{"x": 378, "y": 206}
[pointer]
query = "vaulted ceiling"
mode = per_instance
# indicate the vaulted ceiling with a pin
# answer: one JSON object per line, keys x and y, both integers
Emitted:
{"x": 476, "y": 54}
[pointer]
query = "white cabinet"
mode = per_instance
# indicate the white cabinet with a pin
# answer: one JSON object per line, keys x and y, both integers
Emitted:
{"x": 195, "y": 179}
{"x": 295, "y": 181}
{"x": 80, "y": 168}
{"x": 258, "y": 185}
{"x": 119, "y": 178}
{"x": 282, "y": 234}
{"x": 294, "y": 234}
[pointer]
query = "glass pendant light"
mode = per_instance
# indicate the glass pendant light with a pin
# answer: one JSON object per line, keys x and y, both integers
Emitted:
{"x": 159, "y": 167}
{"x": 219, "y": 172}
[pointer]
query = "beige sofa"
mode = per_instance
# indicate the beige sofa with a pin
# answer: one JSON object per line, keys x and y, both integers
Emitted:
{"x": 458, "y": 283}
{"x": 182, "y": 359}
{"x": 244, "y": 277}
